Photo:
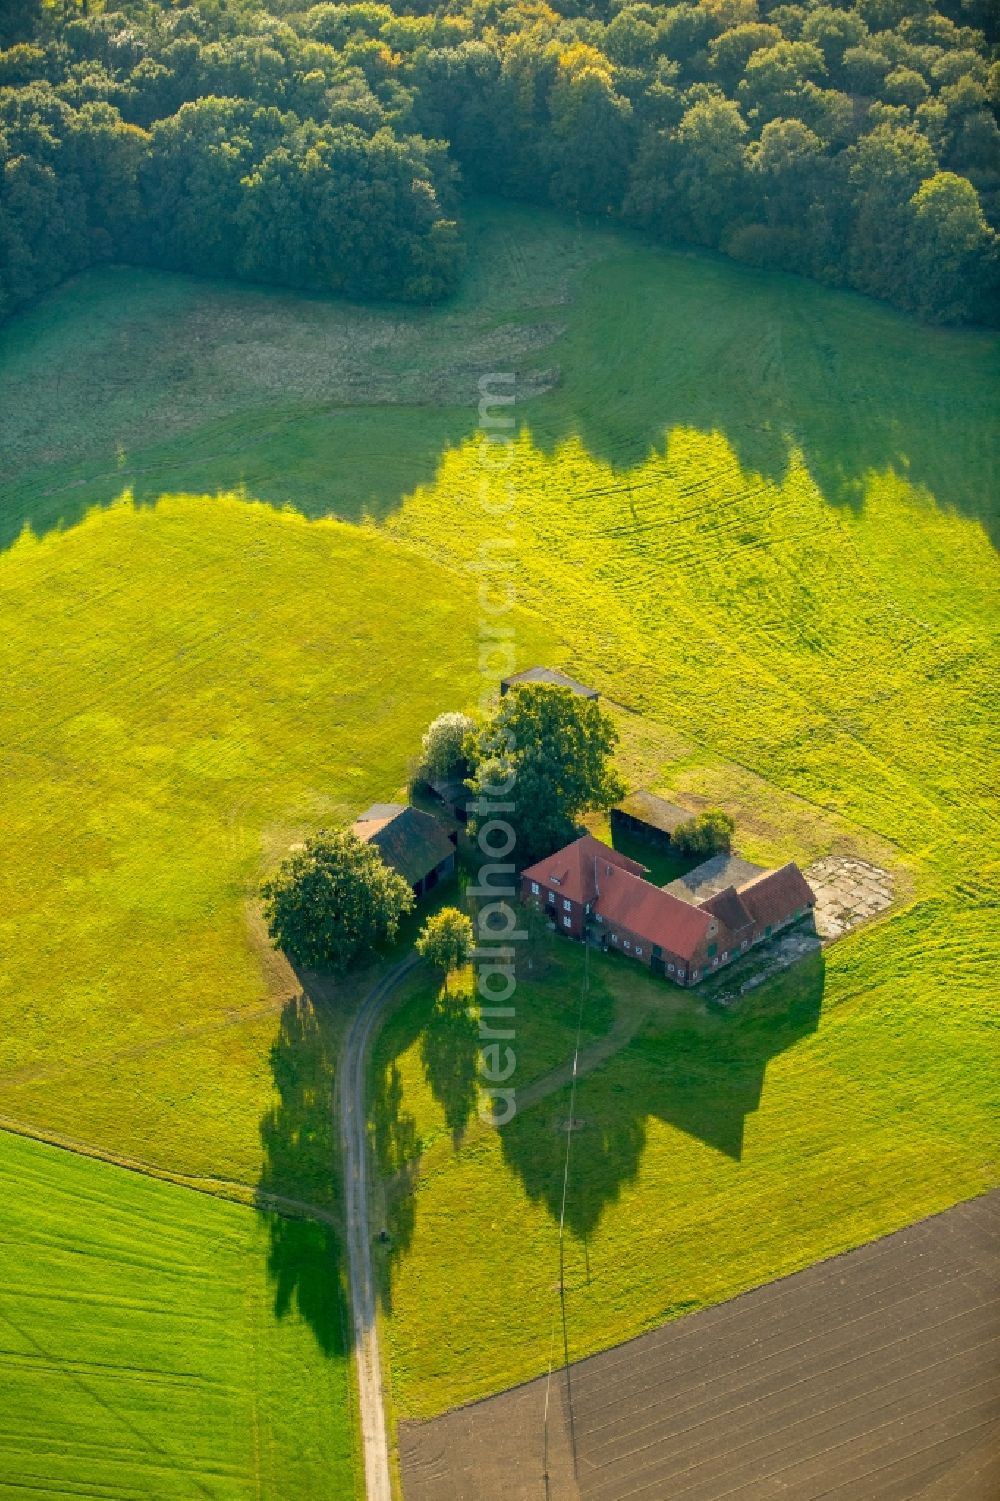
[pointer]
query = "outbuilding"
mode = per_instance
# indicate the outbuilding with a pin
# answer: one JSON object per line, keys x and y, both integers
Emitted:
{"x": 412, "y": 842}
{"x": 549, "y": 676}
{"x": 646, "y": 817}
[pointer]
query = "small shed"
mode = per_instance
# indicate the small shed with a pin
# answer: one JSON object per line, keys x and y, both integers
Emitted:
{"x": 550, "y": 676}
{"x": 453, "y": 795}
{"x": 644, "y": 816}
{"x": 412, "y": 842}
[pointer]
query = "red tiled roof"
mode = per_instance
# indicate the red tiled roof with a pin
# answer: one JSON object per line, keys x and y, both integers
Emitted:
{"x": 589, "y": 871}
{"x": 574, "y": 870}
{"x": 652, "y": 914}
{"x": 728, "y": 908}
{"x": 774, "y": 896}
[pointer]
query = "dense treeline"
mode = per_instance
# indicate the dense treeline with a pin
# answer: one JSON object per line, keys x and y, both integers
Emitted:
{"x": 324, "y": 147}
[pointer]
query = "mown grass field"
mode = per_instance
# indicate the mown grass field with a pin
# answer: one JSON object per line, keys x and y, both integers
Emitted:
{"x": 755, "y": 514}
{"x": 190, "y": 687}
{"x": 836, "y": 654}
{"x": 141, "y": 1350}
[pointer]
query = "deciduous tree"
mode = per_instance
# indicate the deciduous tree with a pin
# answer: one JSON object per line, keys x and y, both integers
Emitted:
{"x": 444, "y": 741}
{"x": 706, "y": 834}
{"x": 333, "y": 900}
{"x": 545, "y": 756}
{"x": 446, "y": 940}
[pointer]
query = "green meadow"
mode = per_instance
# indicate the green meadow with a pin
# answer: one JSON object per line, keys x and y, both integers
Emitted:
{"x": 146, "y": 1351}
{"x": 191, "y": 686}
{"x": 828, "y": 671}
{"x": 757, "y": 515}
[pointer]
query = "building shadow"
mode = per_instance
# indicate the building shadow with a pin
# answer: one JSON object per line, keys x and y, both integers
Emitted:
{"x": 701, "y": 1073}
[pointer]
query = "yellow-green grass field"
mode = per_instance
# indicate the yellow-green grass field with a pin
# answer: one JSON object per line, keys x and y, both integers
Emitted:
{"x": 756, "y": 514}
{"x": 190, "y": 686}
{"x": 845, "y": 659}
{"x": 142, "y": 1350}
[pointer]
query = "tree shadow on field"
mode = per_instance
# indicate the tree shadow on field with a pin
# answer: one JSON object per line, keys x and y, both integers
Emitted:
{"x": 648, "y": 342}
{"x": 701, "y": 1073}
{"x": 448, "y": 1049}
{"x": 776, "y": 364}
{"x": 397, "y": 1153}
{"x": 297, "y": 1137}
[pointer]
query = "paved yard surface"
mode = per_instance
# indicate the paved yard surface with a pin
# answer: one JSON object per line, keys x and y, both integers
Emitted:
{"x": 874, "y": 1376}
{"x": 848, "y": 892}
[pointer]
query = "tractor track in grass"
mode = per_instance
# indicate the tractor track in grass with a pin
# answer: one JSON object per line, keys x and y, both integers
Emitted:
{"x": 183, "y": 1034}
{"x": 232, "y": 1189}
{"x": 349, "y": 1111}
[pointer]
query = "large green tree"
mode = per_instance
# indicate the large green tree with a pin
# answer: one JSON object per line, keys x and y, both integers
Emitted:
{"x": 541, "y": 760}
{"x": 954, "y": 252}
{"x": 446, "y": 940}
{"x": 333, "y": 900}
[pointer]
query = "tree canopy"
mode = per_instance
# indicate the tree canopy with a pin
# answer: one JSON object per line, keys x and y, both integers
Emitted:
{"x": 446, "y": 940}
{"x": 705, "y": 834}
{"x": 443, "y": 743}
{"x": 544, "y": 757}
{"x": 333, "y": 900}
{"x": 326, "y": 147}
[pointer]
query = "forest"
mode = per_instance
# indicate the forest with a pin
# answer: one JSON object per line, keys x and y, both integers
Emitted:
{"x": 329, "y": 148}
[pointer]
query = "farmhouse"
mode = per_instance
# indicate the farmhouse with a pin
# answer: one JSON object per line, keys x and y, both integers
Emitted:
{"x": 411, "y": 841}
{"x": 590, "y": 891}
{"x": 547, "y": 675}
{"x": 646, "y": 817}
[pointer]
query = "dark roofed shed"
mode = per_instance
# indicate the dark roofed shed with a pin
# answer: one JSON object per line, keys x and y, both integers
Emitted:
{"x": 643, "y": 815}
{"x": 549, "y": 676}
{"x": 413, "y": 842}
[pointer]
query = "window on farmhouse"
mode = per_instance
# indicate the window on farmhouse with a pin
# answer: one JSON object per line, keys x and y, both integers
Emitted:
{"x": 567, "y": 922}
{"x": 638, "y": 951}
{"x": 534, "y": 888}
{"x": 567, "y": 905}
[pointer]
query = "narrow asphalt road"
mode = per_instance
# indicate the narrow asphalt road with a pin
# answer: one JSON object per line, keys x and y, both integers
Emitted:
{"x": 354, "y": 1138}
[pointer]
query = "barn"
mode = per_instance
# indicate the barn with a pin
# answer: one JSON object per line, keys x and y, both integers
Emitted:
{"x": 412, "y": 842}
{"x": 648, "y": 818}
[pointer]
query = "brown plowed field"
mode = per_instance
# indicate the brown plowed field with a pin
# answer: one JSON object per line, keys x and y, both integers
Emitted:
{"x": 874, "y": 1376}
